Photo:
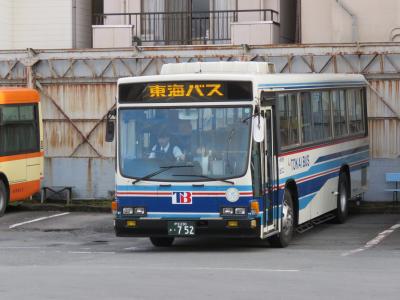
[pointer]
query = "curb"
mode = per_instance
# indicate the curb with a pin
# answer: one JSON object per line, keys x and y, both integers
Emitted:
{"x": 374, "y": 207}
{"x": 65, "y": 207}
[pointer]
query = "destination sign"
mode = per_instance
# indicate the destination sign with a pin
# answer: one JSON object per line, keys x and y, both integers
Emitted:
{"x": 185, "y": 91}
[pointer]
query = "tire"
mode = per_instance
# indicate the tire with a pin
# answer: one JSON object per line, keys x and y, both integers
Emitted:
{"x": 162, "y": 241}
{"x": 342, "y": 209}
{"x": 3, "y": 198}
{"x": 283, "y": 238}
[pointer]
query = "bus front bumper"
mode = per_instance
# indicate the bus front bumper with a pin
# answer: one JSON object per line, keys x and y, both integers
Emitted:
{"x": 213, "y": 228}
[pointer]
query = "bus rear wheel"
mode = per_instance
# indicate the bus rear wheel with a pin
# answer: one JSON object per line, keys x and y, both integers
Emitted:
{"x": 283, "y": 238}
{"x": 162, "y": 241}
{"x": 3, "y": 198}
{"x": 342, "y": 209}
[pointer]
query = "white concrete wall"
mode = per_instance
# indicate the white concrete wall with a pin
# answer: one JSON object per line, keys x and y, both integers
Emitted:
{"x": 5, "y": 24}
{"x": 120, "y": 6}
{"x": 324, "y": 21}
{"x": 45, "y": 24}
{"x": 42, "y": 24}
{"x": 83, "y": 24}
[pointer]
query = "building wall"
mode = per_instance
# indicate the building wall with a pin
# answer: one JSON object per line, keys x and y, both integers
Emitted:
{"x": 121, "y": 6}
{"x": 324, "y": 21}
{"x": 45, "y": 24}
{"x": 42, "y": 24}
{"x": 5, "y": 24}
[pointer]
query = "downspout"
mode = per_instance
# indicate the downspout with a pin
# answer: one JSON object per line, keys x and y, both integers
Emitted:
{"x": 354, "y": 21}
{"x": 74, "y": 41}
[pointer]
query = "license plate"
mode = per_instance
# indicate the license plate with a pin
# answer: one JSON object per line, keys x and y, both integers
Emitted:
{"x": 181, "y": 228}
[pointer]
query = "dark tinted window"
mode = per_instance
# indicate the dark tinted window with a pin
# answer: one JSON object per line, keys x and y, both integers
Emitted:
{"x": 18, "y": 129}
{"x": 185, "y": 91}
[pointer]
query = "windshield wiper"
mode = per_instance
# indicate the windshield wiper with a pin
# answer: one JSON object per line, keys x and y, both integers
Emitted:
{"x": 206, "y": 177}
{"x": 161, "y": 170}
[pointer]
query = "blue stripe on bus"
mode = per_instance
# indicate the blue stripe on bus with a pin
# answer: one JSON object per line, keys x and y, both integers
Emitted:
{"x": 200, "y": 204}
{"x": 305, "y": 200}
{"x": 324, "y": 167}
{"x": 308, "y": 189}
{"x": 343, "y": 153}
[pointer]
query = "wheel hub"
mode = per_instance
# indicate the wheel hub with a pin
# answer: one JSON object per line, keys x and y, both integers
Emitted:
{"x": 287, "y": 218}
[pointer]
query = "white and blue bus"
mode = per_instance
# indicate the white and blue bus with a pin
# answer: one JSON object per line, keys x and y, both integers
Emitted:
{"x": 229, "y": 149}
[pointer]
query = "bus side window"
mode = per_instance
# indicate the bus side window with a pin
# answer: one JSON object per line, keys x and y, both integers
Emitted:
{"x": 316, "y": 116}
{"x": 321, "y": 117}
{"x": 289, "y": 122}
{"x": 356, "y": 111}
{"x": 306, "y": 117}
{"x": 340, "y": 123}
{"x": 19, "y": 129}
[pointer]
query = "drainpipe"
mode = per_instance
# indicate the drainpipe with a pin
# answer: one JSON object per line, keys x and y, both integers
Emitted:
{"x": 74, "y": 41}
{"x": 354, "y": 20}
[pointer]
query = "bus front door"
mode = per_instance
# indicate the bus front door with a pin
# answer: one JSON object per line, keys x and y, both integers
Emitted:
{"x": 271, "y": 176}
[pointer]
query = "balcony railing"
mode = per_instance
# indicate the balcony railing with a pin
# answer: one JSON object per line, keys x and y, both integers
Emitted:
{"x": 184, "y": 28}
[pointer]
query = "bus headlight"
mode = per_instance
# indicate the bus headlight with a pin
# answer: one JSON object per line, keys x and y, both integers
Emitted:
{"x": 233, "y": 211}
{"x": 137, "y": 211}
{"x": 227, "y": 210}
{"x": 140, "y": 211}
{"x": 127, "y": 211}
{"x": 240, "y": 211}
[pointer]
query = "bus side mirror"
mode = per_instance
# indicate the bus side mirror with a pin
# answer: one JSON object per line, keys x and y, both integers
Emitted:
{"x": 258, "y": 128}
{"x": 110, "y": 126}
{"x": 110, "y": 131}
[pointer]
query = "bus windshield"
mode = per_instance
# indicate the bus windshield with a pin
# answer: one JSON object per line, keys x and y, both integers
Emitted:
{"x": 212, "y": 142}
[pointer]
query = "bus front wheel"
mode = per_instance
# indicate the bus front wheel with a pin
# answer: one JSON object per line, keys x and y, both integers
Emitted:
{"x": 162, "y": 241}
{"x": 283, "y": 238}
{"x": 3, "y": 198}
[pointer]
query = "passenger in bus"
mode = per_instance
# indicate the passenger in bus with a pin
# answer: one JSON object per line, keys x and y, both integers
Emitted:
{"x": 165, "y": 150}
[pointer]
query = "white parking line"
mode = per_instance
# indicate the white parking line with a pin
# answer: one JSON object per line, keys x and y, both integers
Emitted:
{"x": 217, "y": 269}
{"x": 375, "y": 241}
{"x": 91, "y": 252}
{"x": 37, "y": 220}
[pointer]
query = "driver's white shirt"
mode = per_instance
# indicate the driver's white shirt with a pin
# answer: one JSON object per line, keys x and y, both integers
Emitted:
{"x": 176, "y": 151}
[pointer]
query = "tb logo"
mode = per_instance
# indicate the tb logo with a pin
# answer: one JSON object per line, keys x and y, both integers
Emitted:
{"x": 181, "y": 198}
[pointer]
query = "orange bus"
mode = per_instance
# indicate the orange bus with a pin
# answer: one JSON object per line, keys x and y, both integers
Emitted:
{"x": 21, "y": 145}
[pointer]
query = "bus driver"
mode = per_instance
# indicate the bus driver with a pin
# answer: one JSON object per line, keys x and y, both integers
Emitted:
{"x": 165, "y": 150}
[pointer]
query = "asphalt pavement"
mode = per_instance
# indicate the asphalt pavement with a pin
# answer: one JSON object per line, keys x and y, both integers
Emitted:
{"x": 75, "y": 255}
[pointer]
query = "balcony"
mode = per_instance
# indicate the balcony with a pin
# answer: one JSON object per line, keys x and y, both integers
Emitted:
{"x": 185, "y": 28}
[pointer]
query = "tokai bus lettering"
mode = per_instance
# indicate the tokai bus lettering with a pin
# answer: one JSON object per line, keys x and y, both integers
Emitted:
{"x": 299, "y": 162}
{"x": 181, "y": 90}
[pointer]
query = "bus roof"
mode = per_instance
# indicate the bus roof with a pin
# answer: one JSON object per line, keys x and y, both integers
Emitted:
{"x": 17, "y": 95}
{"x": 262, "y": 81}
